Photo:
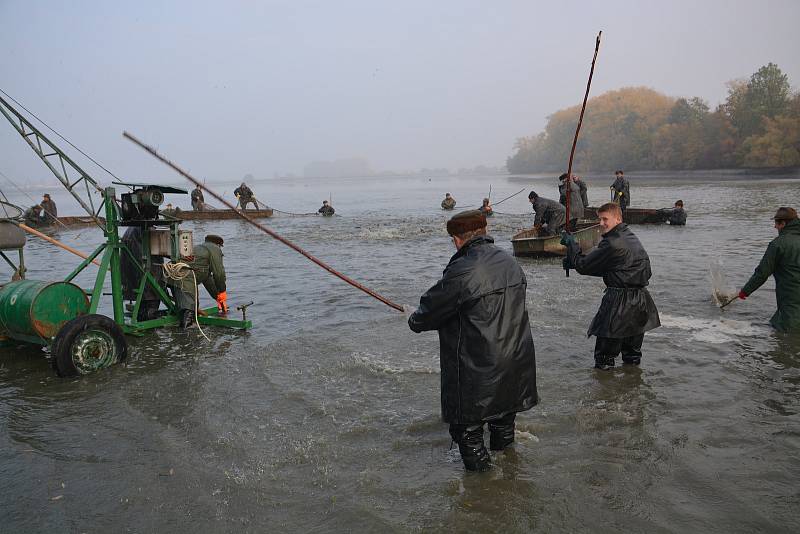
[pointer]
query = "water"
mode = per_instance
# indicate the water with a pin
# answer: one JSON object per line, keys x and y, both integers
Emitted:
{"x": 325, "y": 416}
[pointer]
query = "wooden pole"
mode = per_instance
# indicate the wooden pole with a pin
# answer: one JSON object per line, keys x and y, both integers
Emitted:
{"x": 57, "y": 243}
{"x": 568, "y": 181}
{"x": 263, "y": 228}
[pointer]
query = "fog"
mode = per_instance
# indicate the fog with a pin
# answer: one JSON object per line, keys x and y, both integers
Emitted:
{"x": 265, "y": 88}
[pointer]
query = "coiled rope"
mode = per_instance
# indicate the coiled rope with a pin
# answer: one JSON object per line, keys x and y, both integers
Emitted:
{"x": 179, "y": 271}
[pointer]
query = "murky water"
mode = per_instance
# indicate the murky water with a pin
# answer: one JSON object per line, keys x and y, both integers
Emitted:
{"x": 325, "y": 416}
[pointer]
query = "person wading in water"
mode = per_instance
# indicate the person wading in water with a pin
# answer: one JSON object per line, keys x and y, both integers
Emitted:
{"x": 627, "y": 310}
{"x": 486, "y": 349}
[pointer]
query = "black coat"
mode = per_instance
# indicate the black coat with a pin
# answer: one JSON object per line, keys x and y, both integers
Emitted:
{"x": 487, "y": 356}
{"x": 627, "y": 309}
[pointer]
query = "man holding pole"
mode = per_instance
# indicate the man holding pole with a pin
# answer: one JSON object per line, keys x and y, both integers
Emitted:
{"x": 627, "y": 310}
{"x": 781, "y": 260}
{"x": 486, "y": 349}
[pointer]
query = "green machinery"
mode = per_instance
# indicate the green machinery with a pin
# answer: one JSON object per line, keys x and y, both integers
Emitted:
{"x": 63, "y": 316}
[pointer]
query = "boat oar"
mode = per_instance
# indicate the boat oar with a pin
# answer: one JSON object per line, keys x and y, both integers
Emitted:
{"x": 263, "y": 228}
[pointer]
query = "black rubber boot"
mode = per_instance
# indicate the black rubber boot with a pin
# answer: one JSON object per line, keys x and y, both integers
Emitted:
{"x": 604, "y": 363}
{"x": 631, "y": 360}
{"x": 501, "y": 432}
{"x": 471, "y": 446}
{"x": 187, "y": 319}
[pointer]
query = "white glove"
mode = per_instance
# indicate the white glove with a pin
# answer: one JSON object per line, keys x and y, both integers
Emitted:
{"x": 408, "y": 310}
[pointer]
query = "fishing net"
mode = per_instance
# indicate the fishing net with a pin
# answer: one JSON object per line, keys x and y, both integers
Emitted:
{"x": 722, "y": 291}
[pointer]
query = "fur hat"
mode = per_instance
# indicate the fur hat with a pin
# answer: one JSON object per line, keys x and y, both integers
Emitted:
{"x": 785, "y": 214}
{"x": 466, "y": 221}
{"x": 217, "y": 240}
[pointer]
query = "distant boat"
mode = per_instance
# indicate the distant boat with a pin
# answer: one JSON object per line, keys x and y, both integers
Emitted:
{"x": 215, "y": 215}
{"x": 65, "y": 222}
{"x": 636, "y": 215}
{"x": 528, "y": 242}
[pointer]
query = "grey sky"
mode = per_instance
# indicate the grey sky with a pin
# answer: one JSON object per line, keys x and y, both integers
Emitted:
{"x": 228, "y": 88}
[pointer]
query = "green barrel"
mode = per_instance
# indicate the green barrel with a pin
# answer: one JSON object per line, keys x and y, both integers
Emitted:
{"x": 31, "y": 309}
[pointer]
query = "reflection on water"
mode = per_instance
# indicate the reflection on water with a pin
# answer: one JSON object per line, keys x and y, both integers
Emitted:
{"x": 331, "y": 406}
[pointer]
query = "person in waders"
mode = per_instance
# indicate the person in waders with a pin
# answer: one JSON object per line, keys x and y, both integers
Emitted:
{"x": 486, "y": 349}
{"x": 209, "y": 271}
{"x": 781, "y": 260}
{"x": 627, "y": 310}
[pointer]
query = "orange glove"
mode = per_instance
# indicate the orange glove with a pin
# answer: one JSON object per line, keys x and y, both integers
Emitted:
{"x": 222, "y": 299}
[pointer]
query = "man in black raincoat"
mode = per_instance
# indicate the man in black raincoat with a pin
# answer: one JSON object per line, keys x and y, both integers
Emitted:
{"x": 486, "y": 349}
{"x": 627, "y": 310}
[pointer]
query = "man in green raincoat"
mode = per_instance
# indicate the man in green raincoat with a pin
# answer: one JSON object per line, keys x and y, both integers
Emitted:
{"x": 209, "y": 272}
{"x": 782, "y": 260}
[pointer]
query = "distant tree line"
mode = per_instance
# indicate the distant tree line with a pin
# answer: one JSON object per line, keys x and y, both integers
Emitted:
{"x": 758, "y": 125}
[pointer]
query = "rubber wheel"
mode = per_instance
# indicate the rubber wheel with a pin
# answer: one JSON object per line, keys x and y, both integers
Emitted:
{"x": 86, "y": 344}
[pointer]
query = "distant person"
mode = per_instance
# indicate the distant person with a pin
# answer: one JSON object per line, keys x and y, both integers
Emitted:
{"x": 575, "y": 201}
{"x": 677, "y": 216}
{"x": 198, "y": 200}
{"x": 33, "y": 215}
{"x": 245, "y": 196}
{"x": 486, "y": 208}
{"x": 627, "y": 310}
{"x": 49, "y": 210}
{"x": 326, "y": 210}
{"x": 486, "y": 352}
{"x": 584, "y": 190}
{"x": 621, "y": 191}
{"x": 449, "y": 202}
{"x": 550, "y": 215}
{"x": 781, "y": 260}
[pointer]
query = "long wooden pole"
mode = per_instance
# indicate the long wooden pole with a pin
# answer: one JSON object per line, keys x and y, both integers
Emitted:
{"x": 263, "y": 228}
{"x": 57, "y": 243}
{"x": 568, "y": 181}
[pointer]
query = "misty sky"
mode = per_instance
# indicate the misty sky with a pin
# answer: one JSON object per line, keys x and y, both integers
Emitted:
{"x": 236, "y": 87}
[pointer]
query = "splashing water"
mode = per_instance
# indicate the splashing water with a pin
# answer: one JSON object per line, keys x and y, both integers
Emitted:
{"x": 722, "y": 292}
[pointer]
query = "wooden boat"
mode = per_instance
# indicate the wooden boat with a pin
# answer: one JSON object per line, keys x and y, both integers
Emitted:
{"x": 67, "y": 222}
{"x": 528, "y": 243}
{"x": 636, "y": 215}
{"x": 215, "y": 215}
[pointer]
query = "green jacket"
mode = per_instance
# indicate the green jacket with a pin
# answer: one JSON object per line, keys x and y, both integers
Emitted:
{"x": 782, "y": 260}
{"x": 207, "y": 266}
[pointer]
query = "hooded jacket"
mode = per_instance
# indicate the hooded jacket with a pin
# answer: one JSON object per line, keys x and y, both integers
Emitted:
{"x": 486, "y": 349}
{"x": 782, "y": 260}
{"x": 627, "y": 309}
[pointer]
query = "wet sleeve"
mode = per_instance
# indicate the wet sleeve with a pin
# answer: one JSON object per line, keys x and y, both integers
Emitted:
{"x": 217, "y": 269}
{"x": 765, "y": 268}
{"x": 436, "y": 306}
{"x": 597, "y": 262}
{"x": 539, "y": 218}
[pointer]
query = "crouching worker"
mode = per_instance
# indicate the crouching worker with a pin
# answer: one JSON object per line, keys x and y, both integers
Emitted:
{"x": 486, "y": 350}
{"x": 206, "y": 263}
{"x": 627, "y": 310}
